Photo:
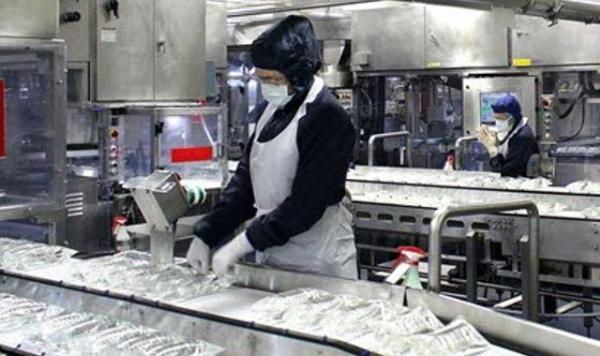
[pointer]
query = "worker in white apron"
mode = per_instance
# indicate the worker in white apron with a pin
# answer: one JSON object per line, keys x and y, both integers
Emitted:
{"x": 290, "y": 183}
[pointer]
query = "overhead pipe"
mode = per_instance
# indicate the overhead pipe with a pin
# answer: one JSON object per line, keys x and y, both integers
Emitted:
{"x": 587, "y": 11}
{"x": 577, "y": 10}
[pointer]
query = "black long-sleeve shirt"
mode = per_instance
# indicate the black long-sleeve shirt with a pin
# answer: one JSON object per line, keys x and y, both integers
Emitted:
{"x": 325, "y": 142}
{"x": 520, "y": 148}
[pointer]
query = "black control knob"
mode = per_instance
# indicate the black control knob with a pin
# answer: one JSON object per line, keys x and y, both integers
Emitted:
{"x": 112, "y": 6}
{"x": 73, "y": 16}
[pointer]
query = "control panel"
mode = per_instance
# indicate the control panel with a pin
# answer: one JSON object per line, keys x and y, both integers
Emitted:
{"x": 113, "y": 154}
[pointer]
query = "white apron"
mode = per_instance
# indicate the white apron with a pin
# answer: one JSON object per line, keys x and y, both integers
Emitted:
{"x": 327, "y": 248}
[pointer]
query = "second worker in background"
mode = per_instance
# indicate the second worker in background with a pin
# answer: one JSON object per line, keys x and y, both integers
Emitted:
{"x": 512, "y": 143}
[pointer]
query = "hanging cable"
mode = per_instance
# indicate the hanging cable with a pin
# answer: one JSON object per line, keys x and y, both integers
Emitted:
{"x": 571, "y": 106}
{"x": 576, "y": 134}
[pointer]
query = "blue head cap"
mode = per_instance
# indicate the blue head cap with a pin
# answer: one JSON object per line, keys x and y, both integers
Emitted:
{"x": 508, "y": 104}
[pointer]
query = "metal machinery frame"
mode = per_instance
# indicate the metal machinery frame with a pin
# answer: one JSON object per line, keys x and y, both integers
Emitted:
{"x": 530, "y": 279}
{"x": 131, "y": 63}
{"x": 131, "y": 144}
{"x": 43, "y": 207}
{"x": 109, "y": 115}
{"x": 388, "y": 135}
{"x": 148, "y": 123}
{"x": 383, "y": 224}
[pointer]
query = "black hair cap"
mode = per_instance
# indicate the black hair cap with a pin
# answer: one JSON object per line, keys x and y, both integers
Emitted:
{"x": 290, "y": 47}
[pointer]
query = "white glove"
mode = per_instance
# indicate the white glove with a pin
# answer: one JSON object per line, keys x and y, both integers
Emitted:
{"x": 229, "y": 254}
{"x": 489, "y": 139}
{"x": 198, "y": 256}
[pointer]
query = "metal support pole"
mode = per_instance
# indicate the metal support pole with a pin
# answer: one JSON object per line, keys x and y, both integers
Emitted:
{"x": 472, "y": 258}
{"x": 387, "y": 135}
{"x": 162, "y": 245}
{"x": 435, "y": 244}
{"x": 524, "y": 247}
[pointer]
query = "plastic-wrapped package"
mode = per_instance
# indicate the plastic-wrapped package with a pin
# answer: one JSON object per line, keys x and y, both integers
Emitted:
{"x": 146, "y": 345}
{"x": 380, "y": 326}
{"x": 354, "y": 314}
{"x": 128, "y": 339}
{"x": 384, "y": 331}
{"x": 183, "y": 349}
{"x": 457, "y": 338}
{"x": 18, "y": 313}
{"x": 18, "y": 316}
{"x": 23, "y": 255}
{"x": 418, "y": 320}
{"x": 118, "y": 337}
{"x": 592, "y": 212}
{"x": 132, "y": 272}
{"x": 584, "y": 186}
{"x": 321, "y": 313}
{"x": 283, "y": 301}
{"x": 59, "y": 332}
{"x": 66, "y": 326}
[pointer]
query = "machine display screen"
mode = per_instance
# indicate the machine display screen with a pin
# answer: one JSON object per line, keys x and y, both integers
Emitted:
{"x": 487, "y": 99}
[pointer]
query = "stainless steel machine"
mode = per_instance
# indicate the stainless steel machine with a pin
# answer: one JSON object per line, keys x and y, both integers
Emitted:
{"x": 163, "y": 201}
{"x": 32, "y": 108}
{"x": 137, "y": 50}
{"x": 437, "y": 82}
{"x": 138, "y": 73}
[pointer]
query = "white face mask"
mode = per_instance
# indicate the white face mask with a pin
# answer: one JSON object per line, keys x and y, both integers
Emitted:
{"x": 276, "y": 94}
{"x": 503, "y": 125}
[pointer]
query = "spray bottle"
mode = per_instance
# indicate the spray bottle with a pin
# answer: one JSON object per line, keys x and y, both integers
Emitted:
{"x": 407, "y": 266}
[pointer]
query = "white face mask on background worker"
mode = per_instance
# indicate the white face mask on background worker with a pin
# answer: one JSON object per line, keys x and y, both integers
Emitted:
{"x": 504, "y": 123}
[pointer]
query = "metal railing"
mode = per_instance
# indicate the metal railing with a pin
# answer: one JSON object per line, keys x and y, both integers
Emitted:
{"x": 458, "y": 147}
{"x": 387, "y": 135}
{"x": 530, "y": 258}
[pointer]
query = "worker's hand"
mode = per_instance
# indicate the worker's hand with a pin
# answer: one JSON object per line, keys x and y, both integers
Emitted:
{"x": 489, "y": 139}
{"x": 229, "y": 254}
{"x": 198, "y": 256}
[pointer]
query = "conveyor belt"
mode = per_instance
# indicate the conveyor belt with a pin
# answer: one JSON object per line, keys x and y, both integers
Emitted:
{"x": 38, "y": 328}
{"x": 218, "y": 322}
{"x": 225, "y": 317}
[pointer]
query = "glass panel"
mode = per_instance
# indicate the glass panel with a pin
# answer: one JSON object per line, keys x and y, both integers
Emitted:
{"x": 134, "y": 146}
{"x": 28, "y": 172}
{"x": 189, "y": 145}
{"x": 76, "y": 93}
